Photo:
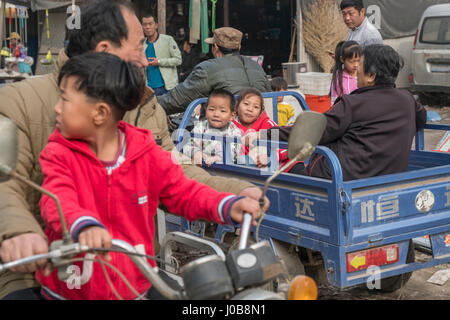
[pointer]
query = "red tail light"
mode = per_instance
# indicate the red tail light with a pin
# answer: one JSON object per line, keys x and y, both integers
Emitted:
{"x": 381, "y": 256}
{"x": 411, "y": 78}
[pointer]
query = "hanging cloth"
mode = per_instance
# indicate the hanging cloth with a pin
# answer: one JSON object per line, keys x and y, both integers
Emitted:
{"x": 213, "y": 15}
{"x": 194, "y": 21}
{"x": 204, "y": 26}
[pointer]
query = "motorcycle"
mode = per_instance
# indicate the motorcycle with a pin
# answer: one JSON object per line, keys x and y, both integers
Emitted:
{"x": 238, "y": 275}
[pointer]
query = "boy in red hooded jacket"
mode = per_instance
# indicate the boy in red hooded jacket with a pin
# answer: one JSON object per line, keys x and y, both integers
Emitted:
{"x": 110, "y": 177}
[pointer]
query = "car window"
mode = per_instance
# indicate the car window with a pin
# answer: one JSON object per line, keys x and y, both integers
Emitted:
{"x": 436, "y": 30}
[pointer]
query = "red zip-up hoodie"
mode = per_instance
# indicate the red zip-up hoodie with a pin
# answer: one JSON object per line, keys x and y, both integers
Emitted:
{"x": 263, "y": 123}
{"x": 123, "y": 202}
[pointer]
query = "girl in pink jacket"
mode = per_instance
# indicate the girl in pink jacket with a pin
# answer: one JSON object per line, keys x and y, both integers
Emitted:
{"x": 344, "y": 80}
{"x": 110, "y": 177}
{"x": 251, "y": 117}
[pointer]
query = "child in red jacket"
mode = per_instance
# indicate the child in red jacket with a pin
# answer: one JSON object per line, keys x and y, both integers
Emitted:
{"x": 110, "y": 177}
{"x": 251, "y": 117}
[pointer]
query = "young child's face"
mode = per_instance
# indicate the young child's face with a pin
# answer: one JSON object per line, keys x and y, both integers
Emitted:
{"x": 218, "y": 112}
{"x": 280, "y": 98}
{"x": 249, "y": 109}
{"x": 74, "y": 112}
{"x": 351, "y": 65}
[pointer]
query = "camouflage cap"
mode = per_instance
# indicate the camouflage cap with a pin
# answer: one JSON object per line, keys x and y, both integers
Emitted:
{"x": 226, "y": 37}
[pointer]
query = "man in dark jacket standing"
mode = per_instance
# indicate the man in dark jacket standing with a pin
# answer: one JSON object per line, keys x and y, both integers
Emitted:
{"x": 228, "y": 70}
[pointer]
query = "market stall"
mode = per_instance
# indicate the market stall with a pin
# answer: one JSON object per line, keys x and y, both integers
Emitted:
{"x": 15, "y": 64}
{"x": 38, "y": 31}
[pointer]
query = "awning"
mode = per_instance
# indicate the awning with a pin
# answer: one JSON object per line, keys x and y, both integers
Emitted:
{"x": 41, "y": 4}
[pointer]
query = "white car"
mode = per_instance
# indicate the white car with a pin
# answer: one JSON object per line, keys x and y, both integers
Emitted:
{"x": 430, "y": 76}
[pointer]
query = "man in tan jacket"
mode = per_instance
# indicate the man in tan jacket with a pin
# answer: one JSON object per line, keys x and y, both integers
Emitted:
{"x": 30, "y": 105}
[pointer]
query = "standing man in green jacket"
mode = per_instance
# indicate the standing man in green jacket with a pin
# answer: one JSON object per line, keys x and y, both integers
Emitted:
{"x": 228, "y": 70}
{"x": 163, "y": 57}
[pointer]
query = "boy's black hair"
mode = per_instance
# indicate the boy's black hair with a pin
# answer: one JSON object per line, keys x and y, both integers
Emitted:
{"x": 223, "y": 93}
{"x": 249, "y": 91}
{"x": 150, "y": 15}
{"x": 344, "y": 50}
{"x": 357, "y": 4}
{"x": 384, "y": 62}
{"x": 107, "y": 78}
{"x": 100, "y": 20}
{"x": 278, "y": 84}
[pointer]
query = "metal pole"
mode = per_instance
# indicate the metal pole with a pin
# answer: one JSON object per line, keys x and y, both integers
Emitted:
{"x": 26, "y": 30}
{"x": 15, "y": 21}
{"x": 162, "y": 16}
{"x": 301, "y": 52}
{"x": 226, "y": 13}
{"x": 2, "y": 21}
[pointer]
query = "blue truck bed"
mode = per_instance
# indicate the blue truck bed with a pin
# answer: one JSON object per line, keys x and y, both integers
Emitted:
{"x": 342, "y": 220}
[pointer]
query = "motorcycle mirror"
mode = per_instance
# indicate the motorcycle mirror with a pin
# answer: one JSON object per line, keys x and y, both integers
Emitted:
{"x": 308, "y": 128}
{"x": 8, "y": 161}
{"x": 8, "y": 147}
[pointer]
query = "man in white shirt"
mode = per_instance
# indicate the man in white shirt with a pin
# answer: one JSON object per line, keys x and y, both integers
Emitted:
{"x": 361, "y": 30}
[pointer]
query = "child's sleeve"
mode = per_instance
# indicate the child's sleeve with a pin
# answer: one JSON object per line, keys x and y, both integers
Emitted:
{"x": 268, "y": 123}
{"x": 194, "y": 144}
{"x": 58, "y": 179}
{"x": 187, "y": 197}
{"x": 236, "y": 146}
{"x": 291, "y": 115}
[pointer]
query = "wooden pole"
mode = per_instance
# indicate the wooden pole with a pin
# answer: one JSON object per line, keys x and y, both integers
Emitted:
{"x": 2, "y": 21}
{"x": 301, "y": 52}
{"x": 226, "y": 13}
{"x": 162, "y": 16}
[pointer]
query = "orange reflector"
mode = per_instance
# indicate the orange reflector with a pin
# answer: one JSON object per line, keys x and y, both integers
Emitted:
{"x": 447, "y": 240}
{"x": 361, "y": 260}
{"x": 303, "y": 288}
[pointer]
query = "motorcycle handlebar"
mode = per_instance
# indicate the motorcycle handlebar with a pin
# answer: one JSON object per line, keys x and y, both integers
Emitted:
{"x": 245, "y": 231}
{"x": 125, "y": 247}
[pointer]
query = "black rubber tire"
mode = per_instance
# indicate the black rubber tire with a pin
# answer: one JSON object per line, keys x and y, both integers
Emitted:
{"x": 431, "y": 99}
{"x": 395, "y": 283}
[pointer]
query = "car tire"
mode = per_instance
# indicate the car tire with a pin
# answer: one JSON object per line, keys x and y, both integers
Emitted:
{"x": 430, "y": 99}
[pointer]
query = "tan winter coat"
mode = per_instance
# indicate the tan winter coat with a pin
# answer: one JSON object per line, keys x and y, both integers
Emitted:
{"x": 29, "y": 104}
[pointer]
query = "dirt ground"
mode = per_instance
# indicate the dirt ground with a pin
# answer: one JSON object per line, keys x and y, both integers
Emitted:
{"x": 417, "y": 288}
{"x": 432, "y": 137}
